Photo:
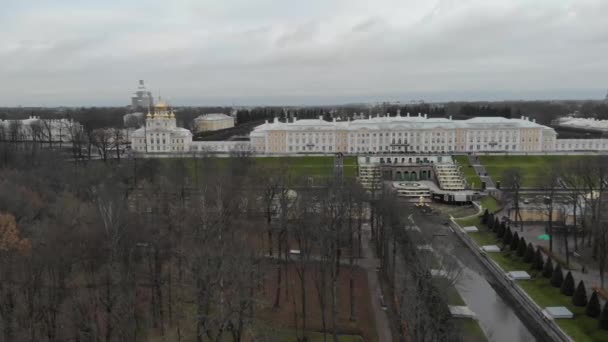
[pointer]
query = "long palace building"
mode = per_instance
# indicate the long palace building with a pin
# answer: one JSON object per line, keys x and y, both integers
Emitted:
{"x": 414, "y": 134}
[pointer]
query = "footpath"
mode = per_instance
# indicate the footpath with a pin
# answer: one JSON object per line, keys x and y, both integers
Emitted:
{"x": 481, "y": 172}
{"x": 371, "y": 264}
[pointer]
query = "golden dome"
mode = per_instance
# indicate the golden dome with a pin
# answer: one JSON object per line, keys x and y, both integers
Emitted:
{"x": 160, "y": 105}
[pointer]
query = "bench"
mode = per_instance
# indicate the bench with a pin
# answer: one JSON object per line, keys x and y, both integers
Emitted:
{"x": 600, "y": 292}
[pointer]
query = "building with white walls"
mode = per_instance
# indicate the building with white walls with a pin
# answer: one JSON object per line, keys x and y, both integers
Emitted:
{"x": 212, "y": 122}
{"x": 36, "y": 129}
{"x": 412, "y": 134}
{"x": 160, "y": 134}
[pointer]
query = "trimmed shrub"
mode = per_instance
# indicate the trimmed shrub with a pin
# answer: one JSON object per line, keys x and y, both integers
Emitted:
{"x": 529, "y": 256}
{"x": 548, "y": 268}
{"x": 501, "y": 230}
{"x": 484, "y": 218}
{"x": 490, "y": 221}
{"x": 593, "y": 307}
{"x": 567, "y": 288}
{"x": 496, "y": 225}
{"x": 521, "y": 248}
{"x": 580, "y": 295}
{"x": 557, "y": 279}
{"x": 538, "y": 263}
{"x": 506, "y": 239}
{"x": 514, "y": 241}
{"x": 603, "y": 321}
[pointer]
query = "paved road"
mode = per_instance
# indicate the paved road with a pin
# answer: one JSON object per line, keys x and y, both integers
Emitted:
{"x": 370, "y": 264}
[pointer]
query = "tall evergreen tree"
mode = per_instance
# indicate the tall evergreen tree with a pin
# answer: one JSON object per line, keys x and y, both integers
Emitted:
{"x": 548, "y": 269}
{"x": 529, "y": 256}
{"x": 603, "y": 320}
{"x": 484, "y": 218}
{"x": 557, "y": 279}
{"x": 593, "y": 307}
{"x": 538, "y": 263}
{"x": 514, "y": 241}
{"x": 506, "y": 240}
{"x": 501, "y": 230}
{"x": 580, "y": 295}
{"x": 567, "y": 288}
{"x": 521, "y": 247}
{"x": 496, "y": 225}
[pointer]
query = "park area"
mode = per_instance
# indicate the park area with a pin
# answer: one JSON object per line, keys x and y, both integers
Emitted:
{"x": 473, "y": 180}
{"x": 581, "y": 328}
{"x": 533, "y": 169}
{"x": 310, "y": 167}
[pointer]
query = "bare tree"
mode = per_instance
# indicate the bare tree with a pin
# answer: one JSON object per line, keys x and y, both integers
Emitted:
{"x": 512, "y": 182}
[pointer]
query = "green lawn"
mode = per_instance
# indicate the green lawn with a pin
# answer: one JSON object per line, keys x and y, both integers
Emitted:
{"x": 471, "y": 331}
{"x": 468, "y": 171}
{"x": 490, "y": 203}
{"x": 532, "y": 168}
{"x": 582, "y": 328}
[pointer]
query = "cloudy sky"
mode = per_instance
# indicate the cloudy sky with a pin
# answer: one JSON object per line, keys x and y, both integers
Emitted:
{"x": 205, "y": 52}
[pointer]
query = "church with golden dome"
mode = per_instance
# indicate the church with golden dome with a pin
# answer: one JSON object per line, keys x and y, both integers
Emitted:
{"x": 160, "y": 134}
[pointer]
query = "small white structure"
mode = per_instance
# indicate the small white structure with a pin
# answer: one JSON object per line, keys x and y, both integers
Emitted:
{"x": 559, "y": 312}
{"x": 470, "y": 229}
{"x": 519, "y": 275}
{"x": 490, "y": 248}
{"x": 213, "y": 122}
{"x": 462, "y": 312}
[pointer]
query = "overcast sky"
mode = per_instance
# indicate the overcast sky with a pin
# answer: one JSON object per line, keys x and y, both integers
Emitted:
{"x": 206, "y": 52}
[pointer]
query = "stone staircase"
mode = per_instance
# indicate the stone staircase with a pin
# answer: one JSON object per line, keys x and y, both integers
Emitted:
{"x": 449, "y": 177}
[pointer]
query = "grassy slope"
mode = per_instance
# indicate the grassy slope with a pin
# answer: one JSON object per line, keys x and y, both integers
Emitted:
{"x": 490, "y": 203}
{"x": 316, "y": 167}
{"x": 581, "y": 328}
{"x": 532, "y": 168}
{"x": 469, "y": 172}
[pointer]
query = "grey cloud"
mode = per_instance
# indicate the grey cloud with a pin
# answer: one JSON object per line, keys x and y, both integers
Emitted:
{"x": 346, "y": 49}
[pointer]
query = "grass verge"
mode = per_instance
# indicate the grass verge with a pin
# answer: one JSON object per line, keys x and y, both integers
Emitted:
{"x": 581, "y": 329}
{"x": 468, "y": 172}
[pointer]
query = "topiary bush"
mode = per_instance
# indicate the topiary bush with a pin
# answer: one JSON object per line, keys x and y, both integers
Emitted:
{"x": 567, "y": 288}
{"x": 484, "y": 218}
{"x": 501, "y": 230}
{"x": 538, "y": 263}
{"x": 580, "y": 295}
{"x": 593, "y": 307}
{"x": 521, "y": 247}
{"x": 557, "y": 278}
{"x": 496, "y": 225}
{"x": 529, "y": 255}
{"x": 514, "y": 241}
{"x": 548, "y": 268}
{"x": 603, "y": 321}
{"x": 506, "y": 239}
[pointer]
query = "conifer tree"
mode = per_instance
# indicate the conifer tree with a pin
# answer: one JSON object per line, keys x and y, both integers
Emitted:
{"x": 603, "y": 321}
{"x": 521, "y": 248}
{"x": 567, "y": 288}
{"x": 580, "y": 295}
{"x": 538, "y": 263}
{"x": 558, "y": 277}
{"x": 514, "y": 241}
{"x": 484, "y": 218}
{"x": 506, "y": 240}
{"x": 593, "y": 307}
{"x": 548, "y": 268}
{"x": 529, "y": 256}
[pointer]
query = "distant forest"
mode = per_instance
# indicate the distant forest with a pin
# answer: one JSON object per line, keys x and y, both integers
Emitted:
{"x": 543, "y": 111}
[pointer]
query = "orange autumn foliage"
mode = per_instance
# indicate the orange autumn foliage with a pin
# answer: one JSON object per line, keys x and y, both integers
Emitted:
{"x": 9, "y": 236}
